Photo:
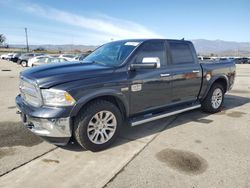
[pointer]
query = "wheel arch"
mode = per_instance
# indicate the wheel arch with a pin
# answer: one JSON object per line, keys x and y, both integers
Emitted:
{"x": 223, "y": 80}
{"x": 117, "y": 99}
{"x": 24, "y": 60}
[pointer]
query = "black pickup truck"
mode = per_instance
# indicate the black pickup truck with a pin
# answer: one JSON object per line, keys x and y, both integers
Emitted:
{"x": 128, "y": 82}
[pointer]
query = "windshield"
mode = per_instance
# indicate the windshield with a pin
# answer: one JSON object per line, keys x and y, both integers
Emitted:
{"x": 112, "y": 54}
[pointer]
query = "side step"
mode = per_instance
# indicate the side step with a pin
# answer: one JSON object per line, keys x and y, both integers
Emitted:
{"x": 163, "y": 115}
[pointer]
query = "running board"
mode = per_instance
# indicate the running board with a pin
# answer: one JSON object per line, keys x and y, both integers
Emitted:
{"x": 163, "y": 115}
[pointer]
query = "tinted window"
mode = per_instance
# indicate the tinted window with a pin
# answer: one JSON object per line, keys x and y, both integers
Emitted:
{"x": 151, "y": 49}
{"x": 181, "y": 53}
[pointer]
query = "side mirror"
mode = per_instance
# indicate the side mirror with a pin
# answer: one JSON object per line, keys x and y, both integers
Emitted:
{"x": 147, "y": 63}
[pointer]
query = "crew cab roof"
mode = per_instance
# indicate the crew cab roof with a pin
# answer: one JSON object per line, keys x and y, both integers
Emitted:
{"x": 149, "y": 39}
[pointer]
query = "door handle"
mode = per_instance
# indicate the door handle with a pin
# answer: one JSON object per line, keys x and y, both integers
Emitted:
{"x": 195, "y": 71}
{"x": 165, "y": 75}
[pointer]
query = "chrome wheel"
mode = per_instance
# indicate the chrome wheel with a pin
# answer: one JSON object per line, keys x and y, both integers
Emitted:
{"x": 217, "y": 98}
{"x": 101, "y": 127}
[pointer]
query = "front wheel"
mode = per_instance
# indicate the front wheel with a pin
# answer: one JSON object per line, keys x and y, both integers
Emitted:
{"x": 214, "y": 99}
{"x": 98, "y": 125}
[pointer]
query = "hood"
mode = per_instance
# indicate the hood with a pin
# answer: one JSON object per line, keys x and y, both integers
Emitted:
{"x": 49, "y": 75}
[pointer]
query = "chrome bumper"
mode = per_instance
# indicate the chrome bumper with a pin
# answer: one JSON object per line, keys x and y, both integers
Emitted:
{"x": 52, "y": 124}
{"x": 59, "y": 127}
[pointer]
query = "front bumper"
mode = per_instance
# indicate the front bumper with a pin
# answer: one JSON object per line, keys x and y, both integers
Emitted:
{"x": 56, "y": 130}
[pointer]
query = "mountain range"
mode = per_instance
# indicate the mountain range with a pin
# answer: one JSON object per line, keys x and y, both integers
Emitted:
{"x": 222, "y": 48}
{"x": 203, "y": 47}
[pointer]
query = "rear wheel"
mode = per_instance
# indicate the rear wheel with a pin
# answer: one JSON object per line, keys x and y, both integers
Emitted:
{"x": 214, "y": 99}
{"x": 98, "y": 125}
{"x": 24, "y": 63}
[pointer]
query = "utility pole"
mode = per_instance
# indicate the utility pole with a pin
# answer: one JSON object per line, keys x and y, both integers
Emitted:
{"x": 27, "y": 42}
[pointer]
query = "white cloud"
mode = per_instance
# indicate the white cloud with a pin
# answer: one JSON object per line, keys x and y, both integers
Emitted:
{"x": 98, "y": 26}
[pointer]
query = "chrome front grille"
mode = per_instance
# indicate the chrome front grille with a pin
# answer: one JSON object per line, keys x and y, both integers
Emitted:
{"x": 29, "y": 92}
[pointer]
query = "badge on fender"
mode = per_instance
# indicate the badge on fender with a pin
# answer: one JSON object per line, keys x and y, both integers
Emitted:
{"x": 136, "y": 87}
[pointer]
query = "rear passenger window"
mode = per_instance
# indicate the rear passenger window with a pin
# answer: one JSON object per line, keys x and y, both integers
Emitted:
{"x": 151, "y": 49}
{"x": 181, "y": 53}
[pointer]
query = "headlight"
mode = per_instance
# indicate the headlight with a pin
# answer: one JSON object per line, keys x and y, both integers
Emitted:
{"x": 54, "y": 97}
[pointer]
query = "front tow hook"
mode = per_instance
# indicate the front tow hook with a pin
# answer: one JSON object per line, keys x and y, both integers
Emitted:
{"x": 28, "y": 125}
{"x": 18, "y": 112}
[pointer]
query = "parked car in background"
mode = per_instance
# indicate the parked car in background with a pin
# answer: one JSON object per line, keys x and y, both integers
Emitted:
{"x": 35, "y": 59}
{"x": 24, "y": 58}
{"x": 207, "y": 59}
{"x": 10, "y": 55}
{"x": 54, "y": 55}
{"x": 6, "y": 56}
{"x": 69, "y": 57}
{"x": 15, "y": 57}
{"x": 248, "y": 60}
{"x": 224, "y": 59}
{"x": 80, "y": 57}
{"x": 241, "y": 60}
{"x": 200, "y": 58}
{"x": 47, "y": 60}
{"x": 204, "y": 59}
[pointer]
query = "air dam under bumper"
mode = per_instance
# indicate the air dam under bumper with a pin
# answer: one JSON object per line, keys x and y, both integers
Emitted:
{"x": 54, "y": 130}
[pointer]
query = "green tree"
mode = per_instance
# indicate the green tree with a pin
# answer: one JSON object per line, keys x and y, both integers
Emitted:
{"x": 2, "y": 39}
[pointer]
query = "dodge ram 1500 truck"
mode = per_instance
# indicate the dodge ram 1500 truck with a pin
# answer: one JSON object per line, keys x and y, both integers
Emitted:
{"x": 128, "y": 82}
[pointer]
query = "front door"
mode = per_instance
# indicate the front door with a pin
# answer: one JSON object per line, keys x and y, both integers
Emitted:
{"x": 150, "y": 88}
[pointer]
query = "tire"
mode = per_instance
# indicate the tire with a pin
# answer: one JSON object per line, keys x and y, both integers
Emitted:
{"x": 89, "y": 134}
{"x": 24, "y": 63}
{"x": 209, "y": 104}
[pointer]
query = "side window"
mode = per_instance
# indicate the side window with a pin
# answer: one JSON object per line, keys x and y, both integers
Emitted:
{"x": 181, "y": 53}
{"x": 151, "y": 49}
{"x": 41, "y": 60}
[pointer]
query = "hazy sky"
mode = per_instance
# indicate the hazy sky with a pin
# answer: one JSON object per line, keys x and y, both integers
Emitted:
{"x": 95, "y": 22}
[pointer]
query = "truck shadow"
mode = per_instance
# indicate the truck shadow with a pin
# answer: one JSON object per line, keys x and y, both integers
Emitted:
{"x": 144, "y": 132}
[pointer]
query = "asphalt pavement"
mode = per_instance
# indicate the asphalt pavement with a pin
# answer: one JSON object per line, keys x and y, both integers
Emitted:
{"x": 193, "y": 149}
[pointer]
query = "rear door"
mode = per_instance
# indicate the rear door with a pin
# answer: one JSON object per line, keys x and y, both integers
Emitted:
{"x": 186, "y": 72}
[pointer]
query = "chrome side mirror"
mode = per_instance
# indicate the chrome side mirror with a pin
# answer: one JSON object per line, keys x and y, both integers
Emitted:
{"x": 150, "y": 60}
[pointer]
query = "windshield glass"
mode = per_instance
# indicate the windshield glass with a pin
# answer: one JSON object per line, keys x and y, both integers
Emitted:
{"x": 112, "y": 54}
